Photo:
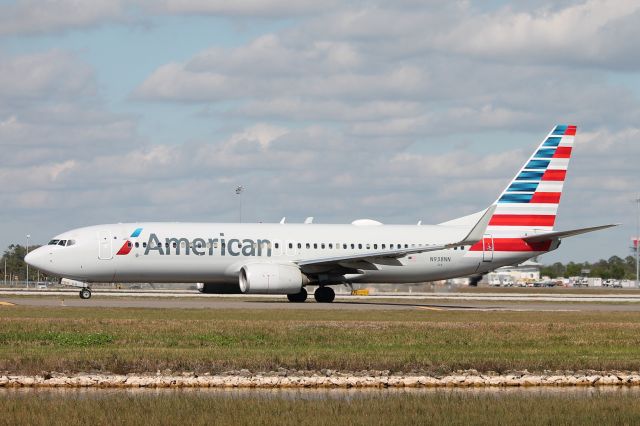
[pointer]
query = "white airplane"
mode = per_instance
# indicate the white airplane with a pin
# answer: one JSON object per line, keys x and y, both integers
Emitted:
{"x": 284, "y": 258}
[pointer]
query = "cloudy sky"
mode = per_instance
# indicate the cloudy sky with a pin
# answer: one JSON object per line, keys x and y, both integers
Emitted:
{"x": 117, "y": 111}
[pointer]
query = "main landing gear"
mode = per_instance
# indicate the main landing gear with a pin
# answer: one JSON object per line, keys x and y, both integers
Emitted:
{"x": 85, "y": 293}
{"x": 298, "y": 297}
{"x": 324, "y": 295}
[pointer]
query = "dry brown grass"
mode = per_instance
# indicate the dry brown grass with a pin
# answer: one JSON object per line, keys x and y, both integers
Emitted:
{"x": 250, "y": 408}
{"x": 33, "y": 340}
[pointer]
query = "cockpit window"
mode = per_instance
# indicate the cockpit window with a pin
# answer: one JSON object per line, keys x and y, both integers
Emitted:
{"x": 53, "y": 242}
{"x": 62, "y": 242}
{"x": 70, "y": 242}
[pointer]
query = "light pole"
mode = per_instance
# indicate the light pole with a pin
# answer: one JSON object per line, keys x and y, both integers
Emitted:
{"x": 25, "y": 256}
{"x": 239, "y": 191}
{"x": 637, "y": 244}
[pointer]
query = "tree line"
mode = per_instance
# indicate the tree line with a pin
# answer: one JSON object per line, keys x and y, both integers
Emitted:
{"x": 615, "y": 268}
{"x": 13, "y": 265}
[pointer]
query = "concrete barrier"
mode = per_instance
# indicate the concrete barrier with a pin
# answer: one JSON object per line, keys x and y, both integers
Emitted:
{"x": 320, "y": 380}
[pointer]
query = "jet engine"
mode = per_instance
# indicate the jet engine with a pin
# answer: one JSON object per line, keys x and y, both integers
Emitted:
{"x": 271, "y": 278}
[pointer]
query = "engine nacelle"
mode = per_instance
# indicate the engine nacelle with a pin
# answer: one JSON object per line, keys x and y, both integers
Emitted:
{"x": 271, "y": 278}
{"x": 218, "y": 288}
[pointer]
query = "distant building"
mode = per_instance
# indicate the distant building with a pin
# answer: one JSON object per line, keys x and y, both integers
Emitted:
{"x": 528, "y": 271}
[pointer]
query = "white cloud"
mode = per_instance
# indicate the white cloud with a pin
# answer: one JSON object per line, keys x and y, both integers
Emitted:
{"x": 43, "y": 16}
{"x": 261, "y": 8}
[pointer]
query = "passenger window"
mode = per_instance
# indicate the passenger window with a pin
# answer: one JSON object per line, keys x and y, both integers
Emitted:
{"x": 330, "y": 245}
{"x": 383, "y": 247}
{"x": 276, "y": 245}
{"x": 137, "y": 245}
{"x": 360, "y": 246}
{"x": 391, "y": 246}
{"x": 322, "y": 246}
{"x": 315, "y": 245}
{"x": 375, "y": 246}
{"x": 344, "y": 246}
{"x": 299, "y": 245}
{"x": 308, "y": 245}
{"x": 406, "y": 246}
{"x": 144, "y": 245}
{"x": 129, "y": 244}
{"x": 290, "y": 245}
{"x": 368, "y": 246}
{"x": 353, "y": 246}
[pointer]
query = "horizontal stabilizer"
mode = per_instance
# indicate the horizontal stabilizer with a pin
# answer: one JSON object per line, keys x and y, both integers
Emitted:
{"x": 564, "y": 234}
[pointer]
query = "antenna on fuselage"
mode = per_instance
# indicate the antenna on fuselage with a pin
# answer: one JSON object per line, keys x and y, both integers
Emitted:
{"x": 283, "y": 220}
{"x": 308, "y": 220}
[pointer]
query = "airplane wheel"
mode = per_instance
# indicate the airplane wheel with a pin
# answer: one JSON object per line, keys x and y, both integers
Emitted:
{"x": 85, "y": 293}
{"x": 324, "y": 295}
{"x": 298, "y": 297}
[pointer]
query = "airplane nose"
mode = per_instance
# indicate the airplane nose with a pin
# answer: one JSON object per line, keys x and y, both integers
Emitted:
{"x": 37, "y": 258}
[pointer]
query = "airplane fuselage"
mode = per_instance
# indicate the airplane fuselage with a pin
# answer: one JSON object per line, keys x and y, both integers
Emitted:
{"x": 215, "y": 252}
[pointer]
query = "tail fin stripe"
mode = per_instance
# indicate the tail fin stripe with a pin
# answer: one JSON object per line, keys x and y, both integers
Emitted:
{"x": 554, "y": 175}
{"x": 522, "y": 220}
{"x": 552, "y": 141}
{"x": 530, "y": 175}
{"x": 538, "y": 164}
{"x": 560, "y": 129}
{"x": 523, "y": 187}
{"x": 545, "y": 153}
{"x": 515, "y": 198}
{"x": 563, "y": 152}
{"x": 546, "y": 197}
{"x": 550, "y": 186}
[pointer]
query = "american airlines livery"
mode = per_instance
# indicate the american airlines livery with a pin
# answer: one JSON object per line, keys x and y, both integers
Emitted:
{"x": 284, "y": 258}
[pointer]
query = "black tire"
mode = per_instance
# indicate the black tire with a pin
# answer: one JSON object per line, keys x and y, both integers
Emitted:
{"x": 298, "y": 297}
{"x": 324, "y": 295}
{"x": 85, "y": 293}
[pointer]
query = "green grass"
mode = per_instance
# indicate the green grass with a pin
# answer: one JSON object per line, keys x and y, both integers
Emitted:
{"x": 200, "y": 408}
{"x": 128, "y": 340}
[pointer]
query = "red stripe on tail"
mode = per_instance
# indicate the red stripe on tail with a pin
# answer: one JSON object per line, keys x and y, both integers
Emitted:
{"x": 522, "y": 220}
{"x": 546, "y": 197}
{"x": 556, "y": 175}
{"x": 562, "y": 152}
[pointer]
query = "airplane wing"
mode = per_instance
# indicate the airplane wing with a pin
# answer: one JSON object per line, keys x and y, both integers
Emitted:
{"x": 564, "y": 234}
{"x": 472, "y": 237}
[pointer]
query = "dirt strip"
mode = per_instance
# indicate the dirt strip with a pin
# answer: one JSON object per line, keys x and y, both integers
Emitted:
{"x": 333, "y": 380}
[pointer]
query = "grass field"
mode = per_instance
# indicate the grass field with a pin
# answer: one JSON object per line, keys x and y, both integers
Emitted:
{"x": 445, "y": 408}
{"x": 36, "y": 340}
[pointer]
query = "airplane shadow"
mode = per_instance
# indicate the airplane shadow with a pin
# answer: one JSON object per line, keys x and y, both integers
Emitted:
{"x": 392, "y": 304}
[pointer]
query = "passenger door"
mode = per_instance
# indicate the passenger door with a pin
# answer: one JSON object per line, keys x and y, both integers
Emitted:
{"x": 105, "y": 245}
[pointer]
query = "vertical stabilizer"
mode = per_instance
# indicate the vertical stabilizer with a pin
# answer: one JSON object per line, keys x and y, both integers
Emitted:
{"x": 531, "y": 200}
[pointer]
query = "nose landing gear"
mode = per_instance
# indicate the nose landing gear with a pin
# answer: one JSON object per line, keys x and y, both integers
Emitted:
{"x": 85, "y": 293}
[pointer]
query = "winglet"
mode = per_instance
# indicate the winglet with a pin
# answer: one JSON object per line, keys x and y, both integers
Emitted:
{"x": 479, "y": 229}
